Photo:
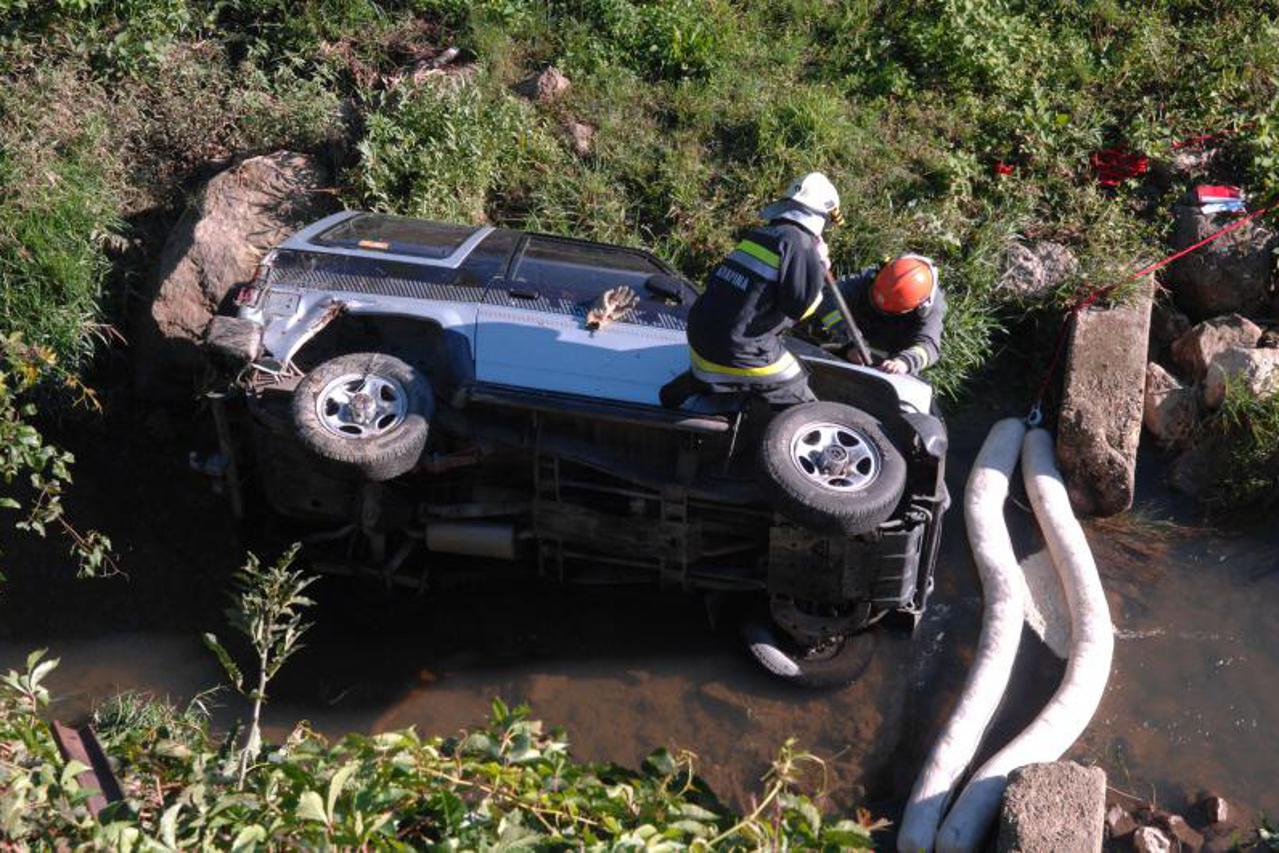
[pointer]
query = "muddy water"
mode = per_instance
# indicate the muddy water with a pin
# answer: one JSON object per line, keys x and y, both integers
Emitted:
{"x": 1190, "y": 703}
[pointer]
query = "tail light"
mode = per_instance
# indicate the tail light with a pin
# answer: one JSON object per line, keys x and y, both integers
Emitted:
{"x": 247, "y": 296}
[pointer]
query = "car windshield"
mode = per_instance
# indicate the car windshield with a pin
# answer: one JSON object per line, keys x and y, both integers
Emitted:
{"x": 397, "y": 235}
{"x": 582, "y": 270}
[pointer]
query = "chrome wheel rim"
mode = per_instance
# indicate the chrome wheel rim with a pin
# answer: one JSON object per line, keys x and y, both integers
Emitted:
{"x": 362, "y": 405}
{"x": 836, "y": 457}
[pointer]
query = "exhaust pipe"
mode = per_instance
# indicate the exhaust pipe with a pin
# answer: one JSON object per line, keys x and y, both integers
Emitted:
{"x": 493, "y": 539}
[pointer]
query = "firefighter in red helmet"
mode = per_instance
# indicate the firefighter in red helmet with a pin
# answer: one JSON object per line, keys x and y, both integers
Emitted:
{"x": 898, "y": 307}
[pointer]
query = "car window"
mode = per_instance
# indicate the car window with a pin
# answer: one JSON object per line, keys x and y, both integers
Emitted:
{"x": 579, "y": 271}
{"x": 397, "y": 235}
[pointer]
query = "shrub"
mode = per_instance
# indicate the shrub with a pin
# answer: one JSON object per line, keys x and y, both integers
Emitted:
{"x": 508, "y": 784}
{"x": 1247, "y": 427}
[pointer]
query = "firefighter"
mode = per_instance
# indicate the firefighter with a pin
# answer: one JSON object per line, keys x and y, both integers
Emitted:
{"x": 772, "y": 280}
{"x": 898, "y": 308}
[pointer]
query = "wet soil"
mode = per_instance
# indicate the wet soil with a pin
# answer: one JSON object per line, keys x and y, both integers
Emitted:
{"x": 1189, "y": 706}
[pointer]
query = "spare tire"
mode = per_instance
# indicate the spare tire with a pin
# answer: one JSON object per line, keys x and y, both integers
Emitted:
{"x": 830, "y": 467}
{"x": 366, "y": 412}
{"x": 836, "y": 664}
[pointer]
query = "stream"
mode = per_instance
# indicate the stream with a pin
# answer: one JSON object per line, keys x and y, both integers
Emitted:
{"x": 1189, "y": 707}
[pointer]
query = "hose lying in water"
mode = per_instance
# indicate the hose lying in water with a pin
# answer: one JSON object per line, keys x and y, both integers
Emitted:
{"x": 1002, "y": 590}
{"x": 1092, "y": 644}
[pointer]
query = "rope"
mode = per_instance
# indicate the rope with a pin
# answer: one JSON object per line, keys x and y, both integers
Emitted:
{"x": 1035, "y": 416}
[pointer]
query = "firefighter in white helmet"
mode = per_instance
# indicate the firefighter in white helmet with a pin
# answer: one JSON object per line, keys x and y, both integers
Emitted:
{"x": 772, "y": 280}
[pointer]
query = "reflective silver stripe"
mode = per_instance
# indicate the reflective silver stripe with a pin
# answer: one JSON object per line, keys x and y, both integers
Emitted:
{"x": 754, "y": 264}
{"x": 918, "y": 355}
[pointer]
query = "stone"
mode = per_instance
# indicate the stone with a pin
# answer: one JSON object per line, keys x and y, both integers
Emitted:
{"x": 1195, "y": 350}
{"x": 216, "y": 245}
{"x": 1215, "y": 809}
{"x": 545, "y": 87}
{"x": 1231, "y": 274}
{"x": 1118, "y": 822}
{"x": 1269, "y": 339}
{"x": 1167, "y": 324}
{"x": 1058, "y": 806}
{"x": 1148, "y": 839}
{"x": 1190, "y": 840}
{"x": 1103, "y": 399}
{"x": 1195, "y": 470}
{"x": 1256, "y": 369}
{"x": 580, "y": 136}
{"x": 1033, "y": 270}
{"x": 1171, "y": 409}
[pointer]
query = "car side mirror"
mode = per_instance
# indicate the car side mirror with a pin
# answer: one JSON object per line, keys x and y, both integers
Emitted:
{"x": 674, "y": 290}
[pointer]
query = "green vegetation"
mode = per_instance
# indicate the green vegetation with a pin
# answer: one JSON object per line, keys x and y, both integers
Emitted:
{"x": 702, "y": 111}
{"x": 509, "y": 785}
{"x": 1246, "y": 430}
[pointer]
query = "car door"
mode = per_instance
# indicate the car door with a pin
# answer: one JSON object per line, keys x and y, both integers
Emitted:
{"x": 532, "y": 333}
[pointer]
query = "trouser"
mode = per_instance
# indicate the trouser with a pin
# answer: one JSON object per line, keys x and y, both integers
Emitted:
{"x": 779, "y": 395}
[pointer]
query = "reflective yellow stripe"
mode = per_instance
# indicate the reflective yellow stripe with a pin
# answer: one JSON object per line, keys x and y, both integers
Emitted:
{"x": 831, "y": 319}
{"x": 920, "y": 353}
{"x": 758, "y": 252}
{"x": 812, "y": 309}
{"x": 786, "y": 362}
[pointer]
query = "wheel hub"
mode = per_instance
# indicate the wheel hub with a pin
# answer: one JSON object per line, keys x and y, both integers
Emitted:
{"x": 362, "y": 406}
{"x": 835, "y": 456}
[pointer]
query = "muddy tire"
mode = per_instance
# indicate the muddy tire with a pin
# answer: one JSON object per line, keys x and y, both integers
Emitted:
{"x": 368, "y": 413}
{"x": 839, "y": 665}
{"x": 830, "y": 467}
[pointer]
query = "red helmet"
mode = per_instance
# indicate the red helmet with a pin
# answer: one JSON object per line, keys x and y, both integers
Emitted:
{"x": 903, "y": 284}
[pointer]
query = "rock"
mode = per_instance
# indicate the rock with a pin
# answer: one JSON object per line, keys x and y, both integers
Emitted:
{"x": 1166, "y": 325}
{"x": 1118, "y": 822}
{"x": 1102, "y": 405}
{"x": 1195, "y": 470}
{"x": 1256, "y": 369}
{"x": 1147, "y": 839}
{"x": 1269, "y": 339}
{"x": 1033, "y": 270}
{"x": 1171, "y": 409}
{"x": 1214, "y": 809}
{"x": 216, "y": 245}
{"x": 545, "y": 87}
{"x": 1058, "y": 806}
{"x": 580, "y": 135}
{"x": 1231, "y": 274}
{"x": 1195, "y": 350}
{"x": 1175, "y": 825}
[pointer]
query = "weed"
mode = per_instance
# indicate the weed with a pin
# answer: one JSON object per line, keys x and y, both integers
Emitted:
{"x": 1247, "y": 427}
{"x": 268, "y": 612}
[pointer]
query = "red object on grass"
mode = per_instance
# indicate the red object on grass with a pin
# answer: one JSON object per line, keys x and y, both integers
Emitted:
{"x": 1116, "y": 165}
{"x": 1205, "y": 193}
{"x": 1002, "y": 168}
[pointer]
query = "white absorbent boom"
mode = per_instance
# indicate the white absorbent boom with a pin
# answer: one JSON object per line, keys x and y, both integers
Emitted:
{"x": 1071, "y": 708}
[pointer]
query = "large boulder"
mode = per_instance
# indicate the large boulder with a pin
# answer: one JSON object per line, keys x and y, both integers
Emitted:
{"x": 1033, "y": 270}
{"x": 1102, "y": 404}
{"x": 1256, "y": 369}
{"x": 1196, "y": 349}
{"x": 1059, "y": 806}
{"x": 1171, "y": 409}
{"x": 216, "y": 245}
{"x": 1231, "y": 274}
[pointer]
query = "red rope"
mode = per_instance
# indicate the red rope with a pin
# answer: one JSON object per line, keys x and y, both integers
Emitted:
{"x": 1096, "y": 293}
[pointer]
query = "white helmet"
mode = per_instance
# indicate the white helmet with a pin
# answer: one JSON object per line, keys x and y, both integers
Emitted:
{"x": 815, "y": 192}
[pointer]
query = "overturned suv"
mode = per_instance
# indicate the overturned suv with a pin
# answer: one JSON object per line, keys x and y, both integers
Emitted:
{"x": 412, "y": 386}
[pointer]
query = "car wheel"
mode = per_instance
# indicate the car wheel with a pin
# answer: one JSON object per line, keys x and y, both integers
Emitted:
{"x": 367, "y": 412}
{"x": 829, "y": 467}
{"x": 836, "y": 663}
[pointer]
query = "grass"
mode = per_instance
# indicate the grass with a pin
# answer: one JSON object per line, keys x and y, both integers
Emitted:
{"x": 1246, "y": 433}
